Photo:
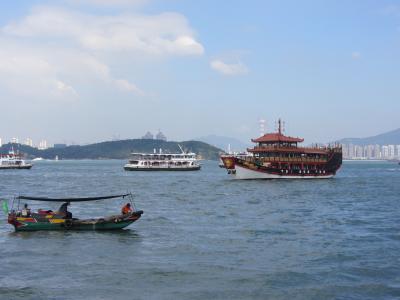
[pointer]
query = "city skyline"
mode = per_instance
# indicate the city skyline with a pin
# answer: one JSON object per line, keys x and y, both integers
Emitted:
{"x": 158, "y": 134}
{"x": 376, "y": 151}
{"x": 43, "y": 143}
{"x": 90, "y": 70}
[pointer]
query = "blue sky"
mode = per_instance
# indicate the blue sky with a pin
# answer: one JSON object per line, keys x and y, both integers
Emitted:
{"x": 89, "y": 70}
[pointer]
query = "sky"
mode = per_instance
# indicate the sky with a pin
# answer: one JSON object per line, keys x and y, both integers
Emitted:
{"x": 83, "y": 71}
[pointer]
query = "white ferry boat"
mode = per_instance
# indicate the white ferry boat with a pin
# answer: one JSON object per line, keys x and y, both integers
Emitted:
{"x": 13, "y": 161}
{"x": 163, "y": 162}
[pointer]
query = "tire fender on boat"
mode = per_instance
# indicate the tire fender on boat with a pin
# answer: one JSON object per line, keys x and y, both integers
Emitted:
{"x": 68, "y": 223}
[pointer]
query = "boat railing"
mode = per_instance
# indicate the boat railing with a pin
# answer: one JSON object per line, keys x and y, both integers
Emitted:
{"x": 289, "y": 159}
{"x": 305, "y": 149}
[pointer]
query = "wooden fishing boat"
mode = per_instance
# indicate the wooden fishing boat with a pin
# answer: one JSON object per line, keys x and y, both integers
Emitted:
{"x": 49, "y": 220}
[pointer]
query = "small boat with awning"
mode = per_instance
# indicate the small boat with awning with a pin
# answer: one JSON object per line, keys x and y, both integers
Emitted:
{"x": 24, "y": 220}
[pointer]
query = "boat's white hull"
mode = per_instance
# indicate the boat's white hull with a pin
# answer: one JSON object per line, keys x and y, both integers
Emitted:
{"x": 244, "y": 173}
{"x": 129, "y": 167}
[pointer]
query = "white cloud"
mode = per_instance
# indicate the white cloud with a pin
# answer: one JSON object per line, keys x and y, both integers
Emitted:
{"x": 102, "y": 71}
{"x": 26, "y": 73}
{"x": 166, "y": 33}
{"x": 125, "y": 85}
{"x": 52, "y": 73}
{"x": 64, "y": 88}
{"x": 55, "y": 52}
{"x": 355, "y": 55}
{"x": 231, "y": 69}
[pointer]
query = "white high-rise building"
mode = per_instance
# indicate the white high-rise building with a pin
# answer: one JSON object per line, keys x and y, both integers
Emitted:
{"x": 397, "y": 152}
{"x": 377, "y": 151}
{"x": 351, "y": 151}
{"x": 1, "y": 143}
{"x": 385, "y": 152}
{"x": 42, "y": 145}
{"x": 391, "y": 151}
{"x": 370, "y": 151}
{"x": 359, "y": 152}
{"x": 345, "y": 151}
{"x": 29, "y": 142}
{"x": 14, "y": 140}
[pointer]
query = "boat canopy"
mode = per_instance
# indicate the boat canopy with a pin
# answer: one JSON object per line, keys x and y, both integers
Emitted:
{"x": 71, "y": 199}
{"x": 277, "y": 137}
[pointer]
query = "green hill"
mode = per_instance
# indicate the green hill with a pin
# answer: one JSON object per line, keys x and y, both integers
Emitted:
{"x": 116, "y": 149}
{"x": 391, "y": 137}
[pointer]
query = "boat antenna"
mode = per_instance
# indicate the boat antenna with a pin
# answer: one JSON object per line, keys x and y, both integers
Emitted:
{"x": 280, "y": 126}
{"x": 180, "y": 147}
{"x": 262, "y": 126}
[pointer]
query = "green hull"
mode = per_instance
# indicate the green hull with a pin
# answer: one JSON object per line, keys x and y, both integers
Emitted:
{"x": 111, "y": 223}
{"x": 62, "y": 226}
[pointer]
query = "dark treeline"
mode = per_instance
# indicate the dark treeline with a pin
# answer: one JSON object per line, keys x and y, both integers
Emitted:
{"x": 115, "y": 149}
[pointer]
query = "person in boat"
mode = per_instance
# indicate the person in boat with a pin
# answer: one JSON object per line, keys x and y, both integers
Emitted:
{"x": 63, "y": 210}
{"x": 126, "y": 209}
{"x": 26, "y": 211}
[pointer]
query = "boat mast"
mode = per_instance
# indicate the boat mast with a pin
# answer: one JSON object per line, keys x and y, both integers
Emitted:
{"x": 279, "y": 126}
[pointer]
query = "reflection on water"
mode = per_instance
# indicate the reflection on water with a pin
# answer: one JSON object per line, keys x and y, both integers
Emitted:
{"x": 203, "y": 235}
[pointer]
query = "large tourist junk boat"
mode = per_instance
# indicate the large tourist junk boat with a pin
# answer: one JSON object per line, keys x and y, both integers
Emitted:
{"x": 279, "y": 156}
{"x": 163, "y": 162}
{"x": 13, "y": 160}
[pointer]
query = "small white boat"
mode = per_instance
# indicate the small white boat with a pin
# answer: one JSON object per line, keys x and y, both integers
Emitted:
{"x": 13, "y": 160}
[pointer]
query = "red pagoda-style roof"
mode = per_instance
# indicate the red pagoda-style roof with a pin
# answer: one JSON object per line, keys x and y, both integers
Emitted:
{"x": 277, "y": 137}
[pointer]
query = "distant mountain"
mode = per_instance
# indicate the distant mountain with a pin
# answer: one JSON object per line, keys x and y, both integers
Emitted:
{"x": 222, "y": 142}
{"x": 116, "y": 149}
{"x": 388, "y": 138}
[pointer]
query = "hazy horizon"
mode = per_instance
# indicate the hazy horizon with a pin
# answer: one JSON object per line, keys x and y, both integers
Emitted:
{"x": 84, "y": 71}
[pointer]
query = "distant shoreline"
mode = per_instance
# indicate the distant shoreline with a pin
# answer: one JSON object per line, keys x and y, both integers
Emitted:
{"x": 368, "y": 160}
{"x": 121, "y": 149}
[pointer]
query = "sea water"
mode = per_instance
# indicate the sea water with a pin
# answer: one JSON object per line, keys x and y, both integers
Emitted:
{"x": 204, "y": 235}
